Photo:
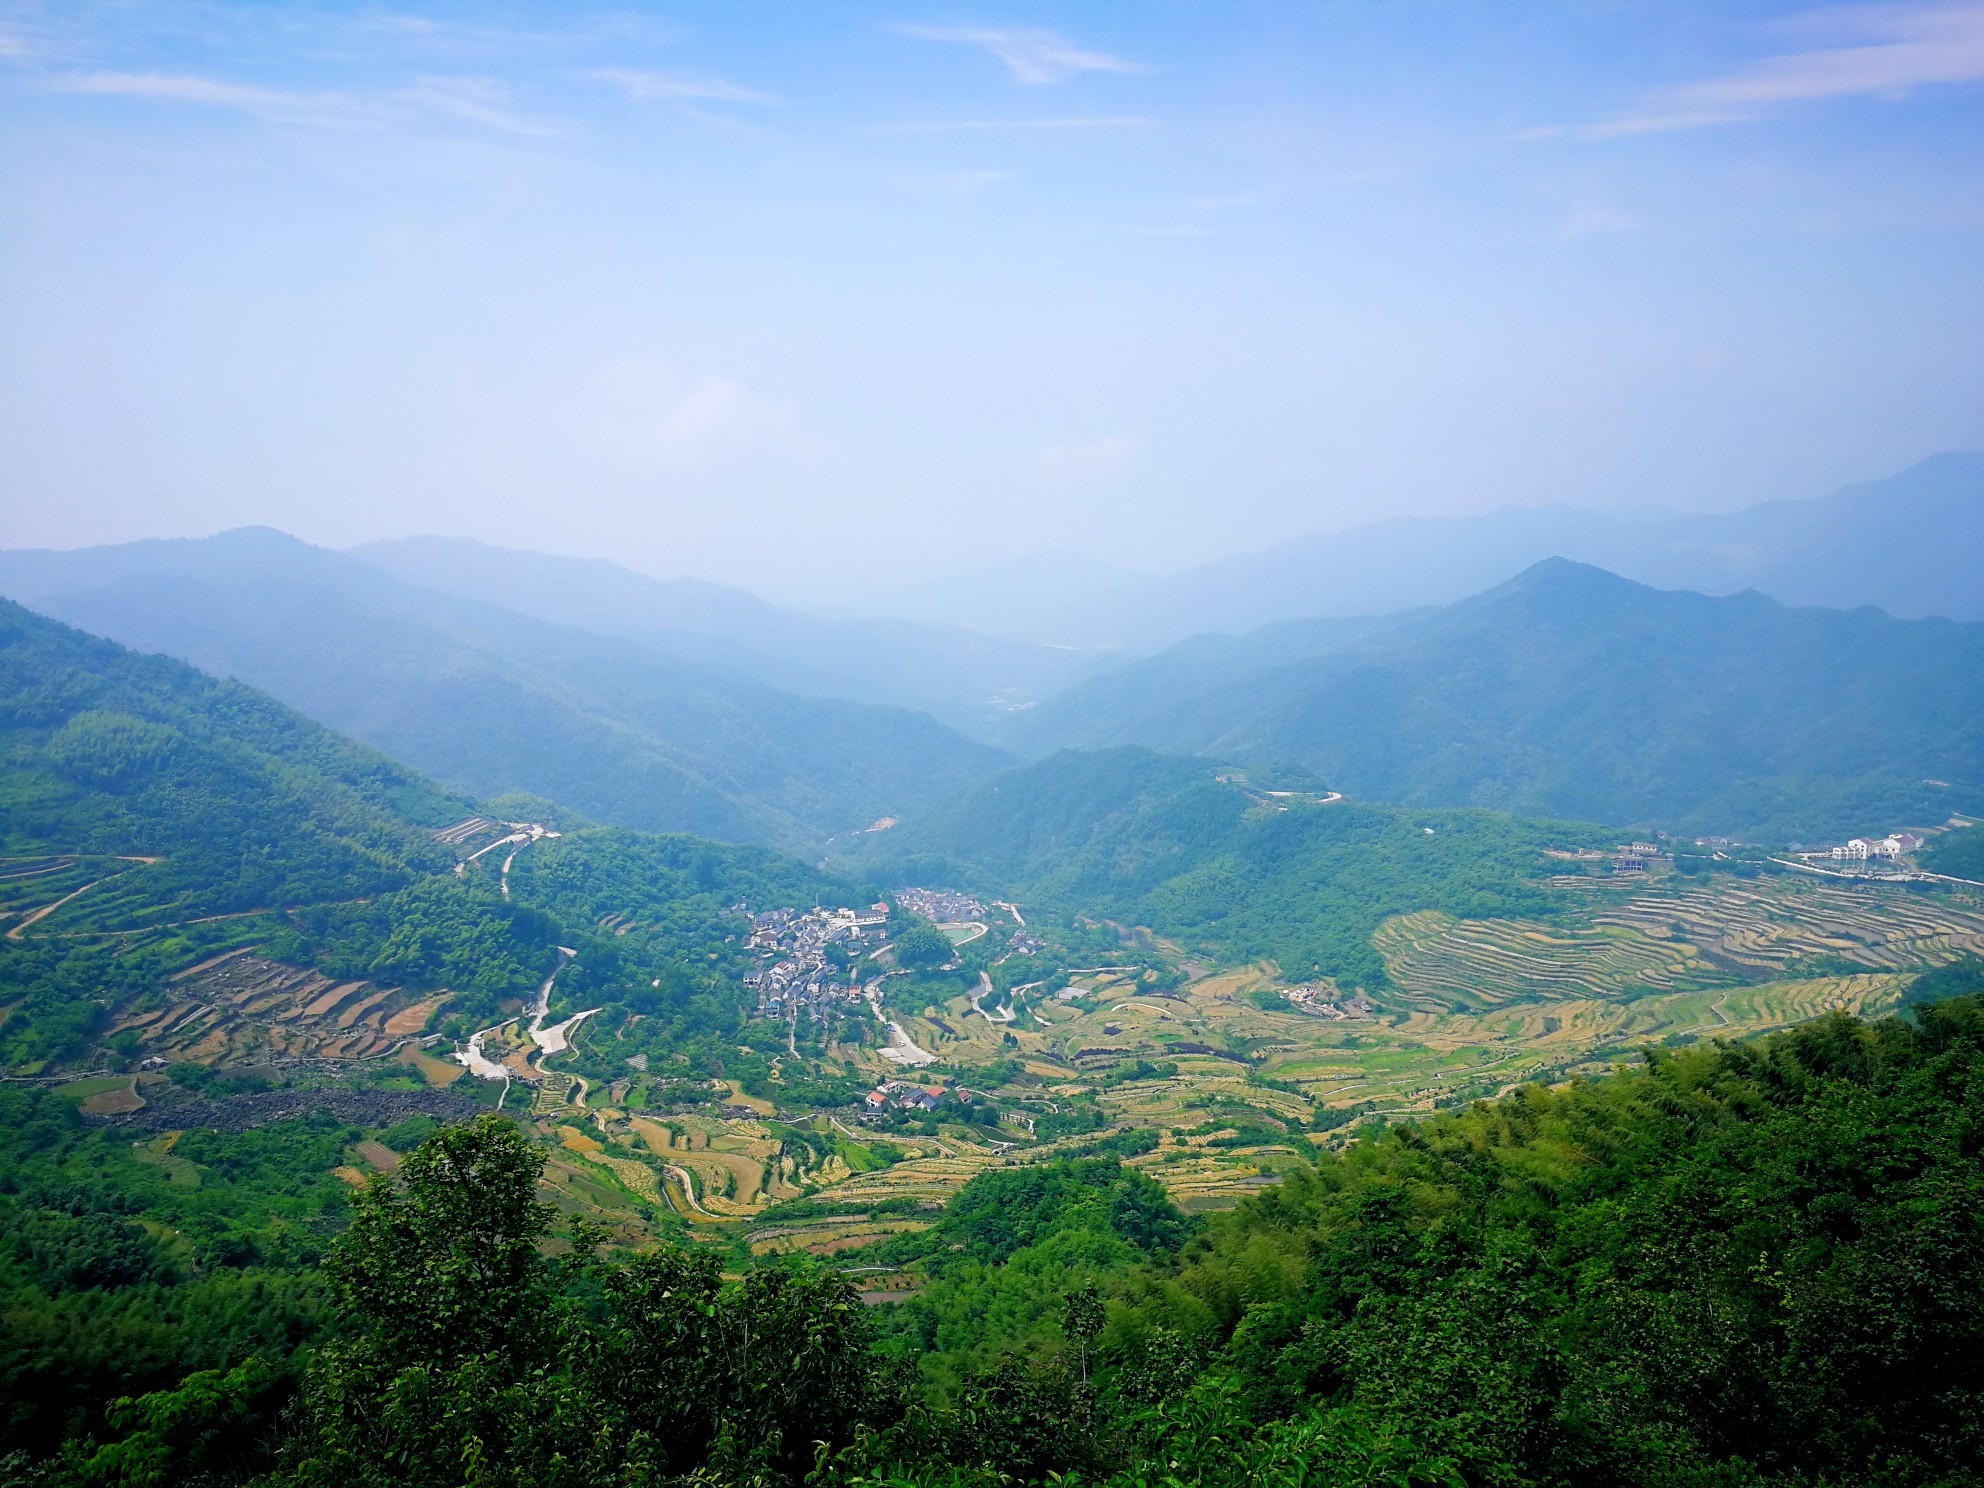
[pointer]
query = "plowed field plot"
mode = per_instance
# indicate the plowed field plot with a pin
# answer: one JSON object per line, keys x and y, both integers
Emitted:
{"x": 242, "y": 1009}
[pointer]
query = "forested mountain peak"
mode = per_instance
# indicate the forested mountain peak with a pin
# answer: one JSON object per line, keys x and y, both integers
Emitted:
{"x": 1571, "y": 691}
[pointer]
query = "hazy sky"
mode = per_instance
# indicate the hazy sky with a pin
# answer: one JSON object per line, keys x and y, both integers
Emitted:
{"x": 815, "y": 295}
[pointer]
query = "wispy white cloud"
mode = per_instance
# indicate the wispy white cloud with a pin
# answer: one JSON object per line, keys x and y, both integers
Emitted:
{"x": 471, "y": 100}
{"x": 1036, "y": 57}
{"x": 1875, "y": 52}
{"x": 642, "y": 413}
{"x": 476, "y": 100}
{"x": 278, "y": 105}
{"x": 947, "y": 126}
{"x": 460, "y": 39}
{"x": 654, "y": 87}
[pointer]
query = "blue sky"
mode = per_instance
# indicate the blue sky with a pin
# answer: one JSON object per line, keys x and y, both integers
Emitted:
{"x": 815, "y": 297}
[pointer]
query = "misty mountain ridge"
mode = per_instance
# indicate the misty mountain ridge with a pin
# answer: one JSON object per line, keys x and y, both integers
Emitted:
{"x": 966, "y": 678}
{"x": 490, "y": 700}
{"x": 1569, "y": 691}
{"x": 1912, "y": 544}
{"x": 1007, "y": 597}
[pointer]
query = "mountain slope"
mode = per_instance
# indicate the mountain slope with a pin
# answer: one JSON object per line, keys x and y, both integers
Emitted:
{"x": 493, "y": 701}
{"x": 103, "y": 751}
{"x": 152, "y": 816}
{"x": 1912, "y": 545}
{"x": 1573, "y": 692}
{"x": 965, "y": 678}
{"x": 1195, "y": 850}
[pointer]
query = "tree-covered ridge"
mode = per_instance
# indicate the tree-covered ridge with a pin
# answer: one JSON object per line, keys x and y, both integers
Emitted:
{"x": 673, "y": 886}
{"x": 1959, "y": 853}
{"x": 104, "y": 750}
{"x": 1569, "y": 691}
{"x": 1743, "y": 1263}
{"x": 1186, "y": 848}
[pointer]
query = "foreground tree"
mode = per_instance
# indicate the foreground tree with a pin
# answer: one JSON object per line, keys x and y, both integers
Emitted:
{"x": 475, "y": 1358}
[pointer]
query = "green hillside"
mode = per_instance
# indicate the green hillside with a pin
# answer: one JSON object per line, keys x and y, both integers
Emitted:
{"x": 106, "y": 752}
{"x": 1571, "y": 692}
{"x": 489, "y": 700}
{"x": 1209, "y": 855}
{"x": 155, "y": 815}
{"x": 1754, "y": 1263}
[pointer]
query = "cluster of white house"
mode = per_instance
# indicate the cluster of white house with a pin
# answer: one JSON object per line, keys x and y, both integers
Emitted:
{"x": 1860, "y": 849}
{"x": 904, "y": 1094}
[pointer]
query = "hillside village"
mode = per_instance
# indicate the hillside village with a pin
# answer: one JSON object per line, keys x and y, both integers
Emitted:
{"x": 799, "y": 971}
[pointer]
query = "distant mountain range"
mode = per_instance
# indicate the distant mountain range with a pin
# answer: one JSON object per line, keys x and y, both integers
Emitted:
{"x": 968, "y": 679}
{"x": 1571, "y": 692}
{"x": 1007, "y": 598}
{"x": 490, "y": 700}
{"x": 1912, "y": 545}
{"x": 680, "y": 705}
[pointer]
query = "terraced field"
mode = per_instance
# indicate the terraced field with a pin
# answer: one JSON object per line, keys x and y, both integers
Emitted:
{"x": 1474, "y": 1008}
{"x": 1439, "y": 962}
{"x": 1771, "y": 924}
{"x": 71, "y": 896}
{"x": 829, "y": 1235}
{"x": 239, "y": 1009}
{"x": 1427, "y": 1059}
{"x": 931, "y": 1178}
{"x": 32, "y": 885}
